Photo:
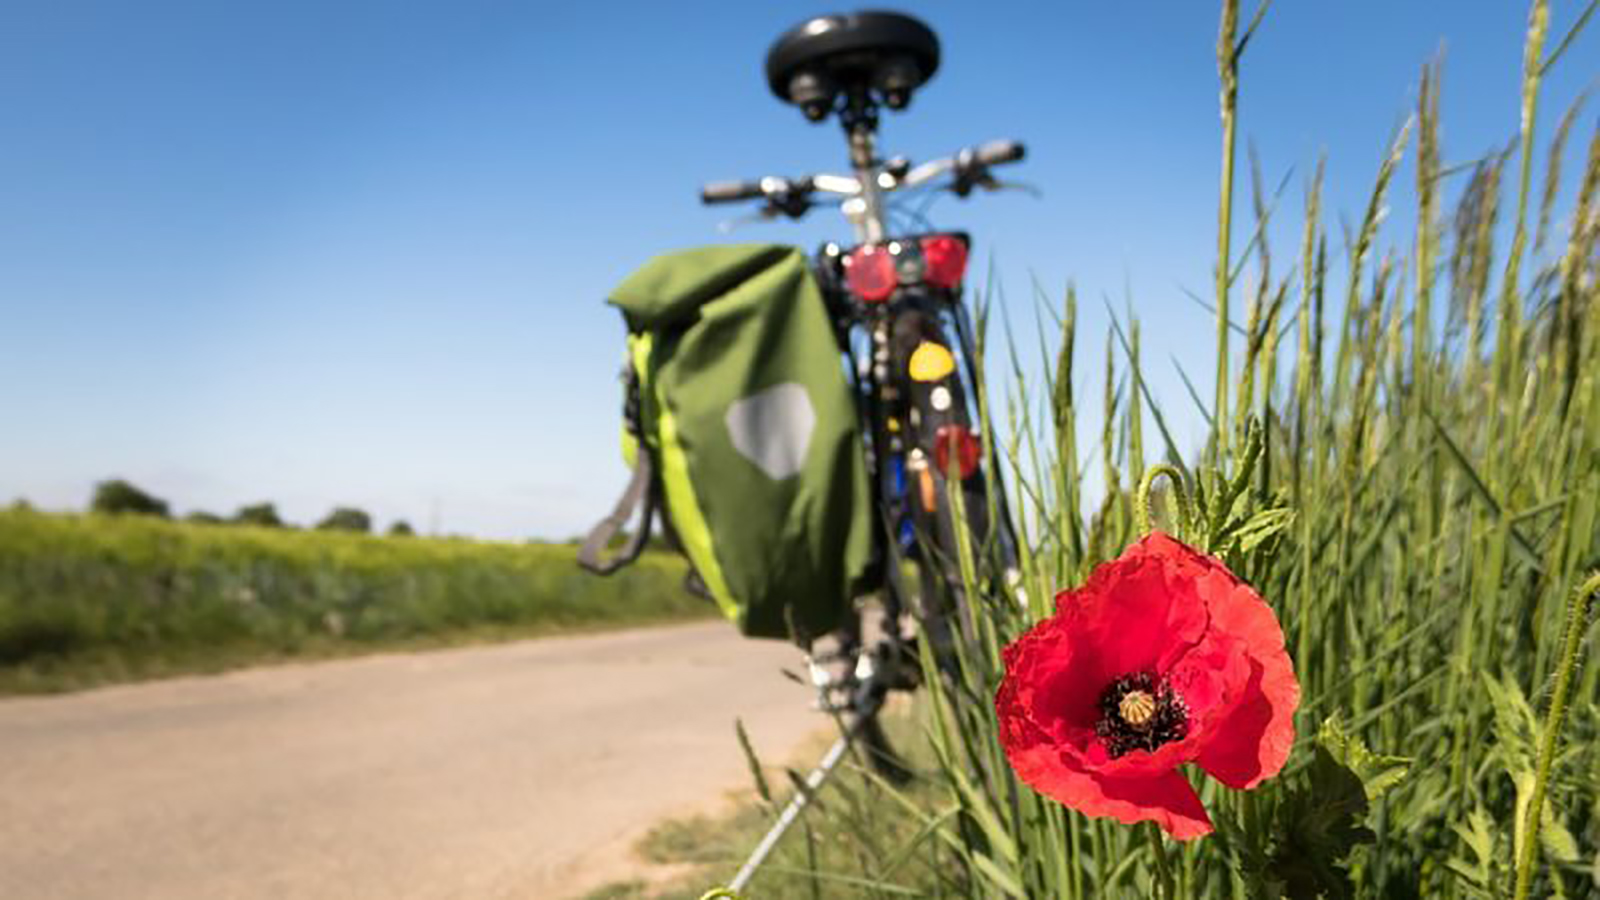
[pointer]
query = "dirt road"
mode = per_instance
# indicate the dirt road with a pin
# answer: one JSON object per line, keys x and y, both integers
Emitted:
{"x": 521, "y": 770}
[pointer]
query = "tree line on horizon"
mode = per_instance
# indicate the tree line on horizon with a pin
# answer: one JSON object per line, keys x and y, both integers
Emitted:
{"x": 118, "y": 496}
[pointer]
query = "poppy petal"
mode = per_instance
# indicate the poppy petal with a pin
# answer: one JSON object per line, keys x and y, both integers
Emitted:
{"x": 1132, "y": 615}
{"x": 1164, "y": 798}
{"x": 1167, "y": 800}
{"x": 1252, "y": 743}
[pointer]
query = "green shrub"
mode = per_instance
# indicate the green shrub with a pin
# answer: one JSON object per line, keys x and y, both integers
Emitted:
{"x": 346, "y": 518}
{"x": 117, "y": 497}
{"x": 264, "y": 515}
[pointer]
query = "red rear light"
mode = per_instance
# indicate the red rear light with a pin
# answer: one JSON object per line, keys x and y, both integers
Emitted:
{"x": 946, "y": 259}
{"x": 963, "y": 443}
{"x": 870, "y": 273}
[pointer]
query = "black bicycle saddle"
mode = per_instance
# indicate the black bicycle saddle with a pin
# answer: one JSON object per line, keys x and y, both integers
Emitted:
{"x": 888, "y": 53}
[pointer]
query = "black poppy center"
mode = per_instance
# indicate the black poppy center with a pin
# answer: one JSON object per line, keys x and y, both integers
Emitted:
{"x": 1140, "y": 711}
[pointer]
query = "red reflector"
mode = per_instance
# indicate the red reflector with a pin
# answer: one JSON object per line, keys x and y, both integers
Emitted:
{"x": 965, "y": 445}
{"x": 870, "y": 273}
{"x": 946, "y": 259}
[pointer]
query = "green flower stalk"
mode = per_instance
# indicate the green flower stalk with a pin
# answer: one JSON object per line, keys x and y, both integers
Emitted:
{"x": 1141, "y": 500}
{"x": 1572, "y": 640}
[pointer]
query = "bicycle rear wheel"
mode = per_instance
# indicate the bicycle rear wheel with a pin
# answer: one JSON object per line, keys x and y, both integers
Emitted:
{"x": 945, "y": 445}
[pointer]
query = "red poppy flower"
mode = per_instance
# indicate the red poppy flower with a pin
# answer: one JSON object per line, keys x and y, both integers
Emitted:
{"x": 1162, "y": 658}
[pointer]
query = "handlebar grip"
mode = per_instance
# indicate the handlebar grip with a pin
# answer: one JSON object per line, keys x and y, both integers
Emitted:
{"x": 996, "y": 152}
{"x": 730, "y": 191}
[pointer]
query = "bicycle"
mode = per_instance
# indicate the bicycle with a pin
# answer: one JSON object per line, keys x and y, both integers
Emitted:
{"x": 893, "y": 298}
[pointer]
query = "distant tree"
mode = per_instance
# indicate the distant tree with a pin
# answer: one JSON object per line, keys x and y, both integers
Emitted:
{"x": 262, "y": 514}
{"x": 201, "y": 517}
{"x": 21, "y": 504}
{"x": 117, "y": 496}
{"x": 346, "y": 518}
{"x": 401, "y": 528}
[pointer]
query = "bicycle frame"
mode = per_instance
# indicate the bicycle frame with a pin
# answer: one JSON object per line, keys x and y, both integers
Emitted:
{"x": 888, "y": 297}
{"x": 844, "y": 65}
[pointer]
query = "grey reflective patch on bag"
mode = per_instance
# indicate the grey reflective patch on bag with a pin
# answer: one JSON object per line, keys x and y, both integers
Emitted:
{"x": 772, "y": 428}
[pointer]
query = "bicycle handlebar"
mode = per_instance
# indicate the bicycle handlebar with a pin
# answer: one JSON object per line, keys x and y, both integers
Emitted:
{"x": 996, "y": 153}
{"x": 968, "y": 166}
{"x": 730, "y": 191}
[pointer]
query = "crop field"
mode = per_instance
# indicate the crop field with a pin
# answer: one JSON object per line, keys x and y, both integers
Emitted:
{"x": 93, "y": 598}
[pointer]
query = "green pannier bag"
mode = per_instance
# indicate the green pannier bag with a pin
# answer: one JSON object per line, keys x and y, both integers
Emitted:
{"x": 741, "y": 431}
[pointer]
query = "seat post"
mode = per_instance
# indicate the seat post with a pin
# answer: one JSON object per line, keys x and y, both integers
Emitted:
{"x": 859, "y": 116}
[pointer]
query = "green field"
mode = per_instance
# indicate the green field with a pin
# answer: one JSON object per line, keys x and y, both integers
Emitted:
{"x": 91, "y": 598}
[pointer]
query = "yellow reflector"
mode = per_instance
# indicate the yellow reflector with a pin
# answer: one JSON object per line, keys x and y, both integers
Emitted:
{"x": 931, "y": 362}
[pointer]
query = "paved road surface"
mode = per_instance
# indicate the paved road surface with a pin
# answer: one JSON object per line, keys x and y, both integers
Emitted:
{"x": 520, "y": 770}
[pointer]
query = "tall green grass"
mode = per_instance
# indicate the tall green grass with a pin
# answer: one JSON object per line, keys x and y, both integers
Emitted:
{"x": 86, "y": 598}
{"x": 1412, "y": 486}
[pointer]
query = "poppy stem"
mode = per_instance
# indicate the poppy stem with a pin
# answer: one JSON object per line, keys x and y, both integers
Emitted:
{"x": 1163, "y": 871}
{"x": 1572, "y": 641}
{"x": 1142, "y": 498}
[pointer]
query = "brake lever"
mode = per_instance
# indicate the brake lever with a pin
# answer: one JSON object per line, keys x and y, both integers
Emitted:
{"x": 792, "y": 204}
{"x": 969, "y": 176}
{"x": 764, "y": 214}
{"x": 1028, "y": 188}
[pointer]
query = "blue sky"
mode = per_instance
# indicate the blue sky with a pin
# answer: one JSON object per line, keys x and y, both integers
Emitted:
{"x": 333, "y": 253}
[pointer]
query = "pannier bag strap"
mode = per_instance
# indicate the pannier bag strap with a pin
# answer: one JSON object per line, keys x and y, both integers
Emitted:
{"x": 641, "y": 488}
{"x": 695, "y": 585}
